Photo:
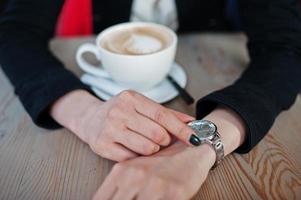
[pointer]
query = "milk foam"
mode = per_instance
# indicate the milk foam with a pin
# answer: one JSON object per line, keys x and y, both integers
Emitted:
{"x": 142, "y": 44}
{"x": 136, "y": 41}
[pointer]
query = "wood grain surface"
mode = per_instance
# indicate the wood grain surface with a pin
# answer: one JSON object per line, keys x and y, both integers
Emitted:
{"x": 41, "y": 164}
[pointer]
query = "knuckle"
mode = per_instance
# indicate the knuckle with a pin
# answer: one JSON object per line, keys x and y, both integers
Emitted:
{"x": 183, "y": 130}
{"x": 99, "y": 147}
{"x": 148, "y": 148}
{"x": 126, "y": 95}
{"x": 114, "y": 112}
{"x": 119, "y": 103}
{"x": 160, "y": 114}
{"x": 107, "y": 154}
{"x": 158, "y": 135}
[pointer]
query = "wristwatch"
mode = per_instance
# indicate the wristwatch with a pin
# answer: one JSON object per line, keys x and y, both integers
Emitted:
{"x": 206, "y": 131}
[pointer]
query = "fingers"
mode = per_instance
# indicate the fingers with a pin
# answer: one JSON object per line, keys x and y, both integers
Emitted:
{"x": 117, "y": 152}
{"x": 136, "y": 142}
{"x": 125, "y": 193}
{"x": 118, "y": 185}
{"x": 107, "y": 189}
{"x": 149, "y": 129}
{"x": 136, "y": 125}
{"x": 167, "y": 119}
{"x": 182, "y": 116}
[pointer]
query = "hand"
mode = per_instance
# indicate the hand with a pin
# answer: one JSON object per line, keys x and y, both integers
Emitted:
{"x": 127, "y": 125}
{"x": 176, "y": 173}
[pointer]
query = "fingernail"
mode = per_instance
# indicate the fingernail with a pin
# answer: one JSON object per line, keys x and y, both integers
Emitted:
{"x": 194, "y": 140}
{"x": 166, "y": 141}
{"x": 156, "y": 148}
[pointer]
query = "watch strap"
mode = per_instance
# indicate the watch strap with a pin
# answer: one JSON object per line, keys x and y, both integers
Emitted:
{"x": 218, "y": 147}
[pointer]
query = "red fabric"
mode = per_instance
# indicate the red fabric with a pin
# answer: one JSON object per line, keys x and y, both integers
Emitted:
{"x": 75, "y": 19}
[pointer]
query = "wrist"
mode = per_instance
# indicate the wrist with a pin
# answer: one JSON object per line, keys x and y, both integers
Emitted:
{"x": 231, "y": 129}
{"x": 70, "y": 110}
{"x": 230, "y": 126}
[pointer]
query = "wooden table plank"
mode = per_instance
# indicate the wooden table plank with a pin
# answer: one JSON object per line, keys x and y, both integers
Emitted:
{"x": 41, "y": 164}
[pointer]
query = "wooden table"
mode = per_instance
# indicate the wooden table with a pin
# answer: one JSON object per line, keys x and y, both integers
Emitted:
{"x": 41, "y": 164}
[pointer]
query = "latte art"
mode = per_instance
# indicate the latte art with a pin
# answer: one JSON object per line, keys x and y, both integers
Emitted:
{"x": 142, "y": 44}
{"x": 136, "y": 41}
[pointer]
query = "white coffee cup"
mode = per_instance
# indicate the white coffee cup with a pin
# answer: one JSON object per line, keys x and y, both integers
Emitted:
{"x": 138, "y": 72}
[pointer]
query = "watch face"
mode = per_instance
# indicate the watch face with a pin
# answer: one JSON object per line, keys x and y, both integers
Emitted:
{"x": 203, "y": 128}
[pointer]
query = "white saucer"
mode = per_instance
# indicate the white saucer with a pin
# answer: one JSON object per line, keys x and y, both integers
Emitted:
{"x": 163, "y": 92}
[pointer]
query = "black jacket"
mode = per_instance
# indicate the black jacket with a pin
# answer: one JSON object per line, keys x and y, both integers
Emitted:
{"x": 269, "y": 85}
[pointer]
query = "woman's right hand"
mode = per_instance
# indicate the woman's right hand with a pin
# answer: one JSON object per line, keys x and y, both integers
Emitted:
{"x": 124, "y": 127}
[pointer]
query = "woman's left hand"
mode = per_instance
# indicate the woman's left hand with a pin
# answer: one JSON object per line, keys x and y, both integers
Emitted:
{"x": 176, "y": 172}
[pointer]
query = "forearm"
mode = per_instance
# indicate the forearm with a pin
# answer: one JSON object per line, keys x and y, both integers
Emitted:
{"x": 39, "y": 78}
{"x": 269, "y": 86}
{"x": 272, "y": 81}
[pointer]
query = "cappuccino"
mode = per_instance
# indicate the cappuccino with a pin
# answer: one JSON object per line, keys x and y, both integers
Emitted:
{"x": 136, "y": 41}
{"x": 137, "y": 55}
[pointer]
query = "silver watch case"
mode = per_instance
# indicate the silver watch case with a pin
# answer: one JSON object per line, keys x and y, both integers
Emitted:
{"x": 207, "y": 133}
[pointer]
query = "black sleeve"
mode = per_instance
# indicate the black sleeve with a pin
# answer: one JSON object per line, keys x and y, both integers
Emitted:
{"x": 273, "y": 79}
{"x": 26, "y": 26}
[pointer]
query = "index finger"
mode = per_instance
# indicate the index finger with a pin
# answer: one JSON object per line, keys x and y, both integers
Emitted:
{"x": 166, "y": 119}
